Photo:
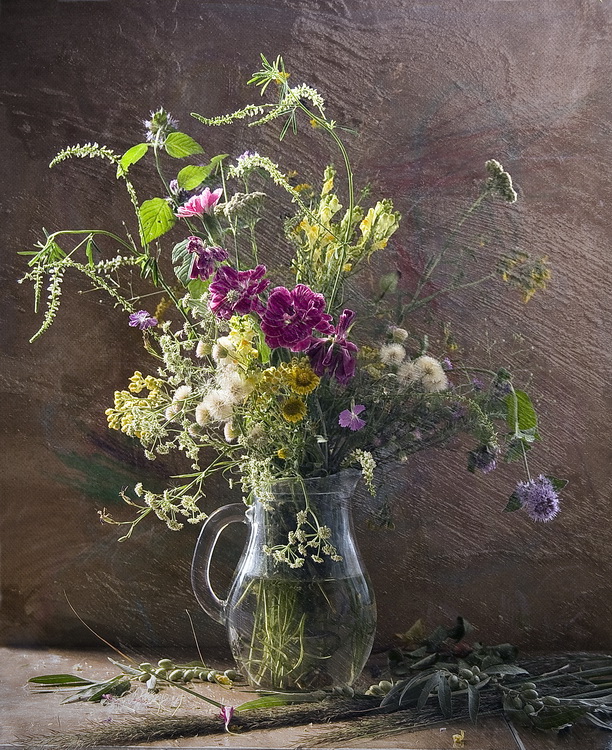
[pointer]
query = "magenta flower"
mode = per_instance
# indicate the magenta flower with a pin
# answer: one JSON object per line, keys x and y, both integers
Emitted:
{"x": 226, "y": 714}
{"x": 204, "y": 258}
{"x": 291, "y": 317}
{"x": 142, "y": 319}
{"x": 201, "y": 204}
{"x": 335, "y": 355}
{"x": 539, "y": 498}
{"x": 235, "y": 292}
{"x": 349, "y": 418}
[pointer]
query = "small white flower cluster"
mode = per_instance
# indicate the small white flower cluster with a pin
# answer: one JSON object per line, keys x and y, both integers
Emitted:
{"x": 171, "y": 504}
{"x": 308, "y": 540}
{"x": 367, "y": 462}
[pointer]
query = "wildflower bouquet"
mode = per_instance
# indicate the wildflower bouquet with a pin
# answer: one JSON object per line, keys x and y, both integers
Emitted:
{"x": 266, "y": 372}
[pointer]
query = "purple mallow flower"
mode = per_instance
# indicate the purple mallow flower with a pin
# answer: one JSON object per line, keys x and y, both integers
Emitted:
{"x": 291, "y": 317}
{"x": 349, "y": 418}
{"x": 335, "y": 355}
{"x": 142, "y": 320}
{"x": 235, "y": 292}
{"x": 539, "y": 498}
{"x": 204, "y": 258}
{"x": 200, "y": 204}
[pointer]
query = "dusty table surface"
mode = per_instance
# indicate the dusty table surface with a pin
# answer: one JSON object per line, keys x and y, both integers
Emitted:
{"x": 23, "y": 713}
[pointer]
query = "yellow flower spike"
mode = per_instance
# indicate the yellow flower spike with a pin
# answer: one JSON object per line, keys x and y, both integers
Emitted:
{"x": 458, "y": 739}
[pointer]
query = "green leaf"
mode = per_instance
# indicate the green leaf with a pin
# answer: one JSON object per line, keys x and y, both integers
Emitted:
{"x": 282, "y": 699}
{"x": 179, "y": 145}
{"x": 473, "y": 702}
{"x": 513, "y": 504}
{"x": 156, "y": 218}
{"x": 131, "y": 156}
{"x": 60, "y": 679}
{"x": 558, "y": 484}
{"x": 115, "y": 686}
{"x": 191, "y": 176}
{"x": 430, "y": 686}
{"x": 445, "y": 699}
{"x": 197, "y": 287}
{"x": 181, "y": 260}
{"x": 524, "y": 415}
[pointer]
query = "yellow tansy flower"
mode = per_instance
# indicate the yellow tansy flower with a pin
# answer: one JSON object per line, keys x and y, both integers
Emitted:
{"x": 282, "y": 453}
{"x": 293, "y": 410}
{"x": 301, "y": 379}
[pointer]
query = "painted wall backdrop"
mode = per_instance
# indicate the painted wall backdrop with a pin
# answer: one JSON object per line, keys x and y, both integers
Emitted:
{"x": 433, "y": 89}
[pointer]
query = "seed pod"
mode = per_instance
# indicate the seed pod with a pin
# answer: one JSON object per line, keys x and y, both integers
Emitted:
{"x": 374, "y": 690}
{"x": 385, "y": 686}
{"x": 529, "y": 709}
{"x": 176, "y": 675}
{"x": 550, "y": 700}
{"x": 465, "y": 673}
{"x": 537, "y": 704}
{"x": 161, "y": 673}
{"x": 528, "y": 686}
{"x": 203, "y": 675}
{"x": 474, "y": 680}
{"x": 517, "y": 702}
{"x": 212, "y": 675}
{"x": 453, "y": 681}
{"x": 232, "y": 674}
{"x": 165, "y": 664}
{"x": 189, "y": 675}
{"x": 348, "y": 691}
{"x": 463, "y": 684}
{"x": 530, "y": 694}
{"x": 337, "y": 690}
{"x": 146, "y": 666}
{"x": 221, "y": 679}
{"x": 476, "y": 670}
{"x": 144, "y": 677}
{"x": 152, "y": 684}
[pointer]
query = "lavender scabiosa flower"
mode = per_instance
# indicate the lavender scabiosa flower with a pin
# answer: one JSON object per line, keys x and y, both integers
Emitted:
{"x": 235, "y": 292}
{"x": 204, "y": 258}
{"x": 142, "y": 319}
{"x": 291, "y": 316}
{"x": 538, "y": 498}
{"x": 483, "y": 458}
{"x": 335, "y": 355}
{"x": 200, "y": 204}
{"x": 349, "y": 418}
{"x": 160, "y": 125}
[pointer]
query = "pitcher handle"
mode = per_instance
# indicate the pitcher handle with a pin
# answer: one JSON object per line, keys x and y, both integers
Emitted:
{"x": 202, "y": 556}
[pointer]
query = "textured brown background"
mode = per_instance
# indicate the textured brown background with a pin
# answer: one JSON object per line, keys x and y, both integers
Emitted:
{"x": 434, "y": 89}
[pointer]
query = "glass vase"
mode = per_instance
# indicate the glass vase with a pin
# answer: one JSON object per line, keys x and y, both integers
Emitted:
{"x": 300, "y": 612}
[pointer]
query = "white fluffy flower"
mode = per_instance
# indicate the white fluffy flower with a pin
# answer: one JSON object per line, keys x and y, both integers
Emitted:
{"x": 408, "y": 372}
{"x": 229, "y": 432}
{"x": 202, "y": 349}
{"x": 218, "y": 404}
{"x": 398, "y": 334}
{"x": 223, "y": 352}
{"x": 202, "y": 414}
{"x": 171, "y": 411}
{"x": 431, "y": 374}
{"x": 392, "y": 354}
{"x": 232, "y": 383}
{"x": 181, "y": 393}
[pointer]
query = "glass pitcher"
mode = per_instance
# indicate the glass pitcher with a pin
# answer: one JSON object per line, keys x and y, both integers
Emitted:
{"x": 300, "y": 612}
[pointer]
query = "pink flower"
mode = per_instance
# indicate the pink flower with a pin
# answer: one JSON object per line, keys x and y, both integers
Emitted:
{"x": 226, "y": 714}
{"x": 291, "y": 316}
{"x": 235, "y": 292}
{"x": 348, "y": 417}
{"x": 335, "y": 355}
{"x": 201, "y": 204}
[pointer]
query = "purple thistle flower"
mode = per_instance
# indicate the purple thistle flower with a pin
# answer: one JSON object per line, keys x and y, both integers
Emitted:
{"x": 447, "y": 364}
{"x": 477, "y": 384}
{"x": 235, "y": 292}
{"x": 539, "y": 498}
{"x": 226, "y": 714}
{"x": 335, "y": 355}
{"x": 484, "y": 459}
{"x": 291, "y": 316}
{"x": 348, "y": 418}
{"x": 204, "y": 258}
{"x": 142, "y": 319}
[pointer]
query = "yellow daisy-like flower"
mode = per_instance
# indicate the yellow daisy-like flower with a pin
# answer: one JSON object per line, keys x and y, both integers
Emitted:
{"x": 293, "y": 410}
{"x": 301, "y": 379}
{"x": 282, "y": 453}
